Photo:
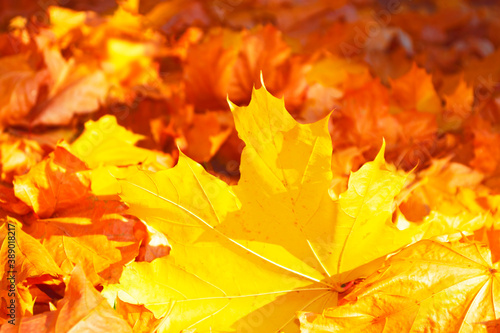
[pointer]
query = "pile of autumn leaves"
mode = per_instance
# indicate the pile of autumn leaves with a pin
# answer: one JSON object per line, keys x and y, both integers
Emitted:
{"x": 278, "y": 235}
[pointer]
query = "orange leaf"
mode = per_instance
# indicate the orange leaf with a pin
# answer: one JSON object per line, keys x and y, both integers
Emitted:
{"x": 82, "y": 309}
{"x": 17, "y": 155}
{"x": 206, "y": 134}
{"x": 137, "y": 316}
{"x": 19, "y": 87}
{"x": 415, "y": 91}
{"x": 96, "y": 237}
{"x": 58, "y": 182}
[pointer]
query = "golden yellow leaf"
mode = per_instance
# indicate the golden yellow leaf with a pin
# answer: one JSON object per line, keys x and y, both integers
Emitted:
{"x": 99, "y": 143}
{"x": 98, "y": 147}
{"x": 277, "y": 238}
{"x": 446, "y": 198}
{"x": 428, "y": 286}
{"x": 194, "y": 286}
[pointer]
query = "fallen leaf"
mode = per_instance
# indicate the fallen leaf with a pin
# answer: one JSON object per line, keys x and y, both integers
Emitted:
{"x": 283, "y": 239}
{"x": 31, "y": 260}
{"x": 415, "y": 91}
{"x": 485, "y": 145}
{"x": 429, "y": 285}
{"x": 19, "y": 82}
{"x": 9, "y": 202}
{"x": 458, "y": 106}
{"x": 82, "y": 309}
{"x": 23, "y": 258}
{"x": 137, "y": 316}
{"x": 56, "y": 183}
{"x": 97, "y": 145}
{"x": 94, "y": 236}
{"x": 73, "y": 90}
{"x": 17, "y": 156}
{"x": 206, "y": 134}
{"x": 206, "y": 86}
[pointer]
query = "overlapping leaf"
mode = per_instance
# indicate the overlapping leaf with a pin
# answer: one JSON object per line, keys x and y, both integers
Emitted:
{"x": 56, "y": 183}
{"x": 82, "y": 309}
{"x": 276, "y": 237}
{"x": 300, "y": 229}
{"x": 427, "y": 286}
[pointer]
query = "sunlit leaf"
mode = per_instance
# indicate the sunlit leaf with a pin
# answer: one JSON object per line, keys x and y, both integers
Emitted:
{"x": 427, "y": 286}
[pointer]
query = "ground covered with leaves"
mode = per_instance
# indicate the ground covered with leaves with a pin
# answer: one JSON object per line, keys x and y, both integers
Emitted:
{"x": 250, "y": 166}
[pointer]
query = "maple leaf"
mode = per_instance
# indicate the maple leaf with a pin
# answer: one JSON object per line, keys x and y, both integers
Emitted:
{"x": 298, "y": 227}
{"x": 206, "y": 134}
{"x": 282, "y": 238}
{"x": 426, "y": 286}
{"x": 448, "y": 193}
{"x": 261, "y": 50}
{"x": 10, "y": 203}
{"x": 55, "y": 183}
{"x": 31, "y": 261}
{"x": 485, "y": 147}
{"x": 97, "y": 145}
{"x": 348, "y": 75}
{"x": 458, "y": 106}
{"x": 139, "y": 318}
{"x": 207, "y": 88}
{"x": 75, "y": 226}
{"x": 80, "y": 92}
{"x": 236, "y": 61}
{"x": 364, "y": 117}
{"x": 96, "y": 237}
{"x": 78, "y": 79}
{"x": 19, "y": 84}
{"x": 82, "y": 309}
{"x": 415, "y": 91}
{"x": 17, "y": 156}
{"x": 121, "y": 42}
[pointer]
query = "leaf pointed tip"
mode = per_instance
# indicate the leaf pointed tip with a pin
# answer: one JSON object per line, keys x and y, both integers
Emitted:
{"x": 232, "y": 106}
{"x": 180, "y": 150}
{"x": 262, "y": 80}
{"x": 380, "y": 154}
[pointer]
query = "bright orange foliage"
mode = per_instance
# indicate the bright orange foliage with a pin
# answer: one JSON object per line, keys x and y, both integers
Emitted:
{"x": 249, "y": 166}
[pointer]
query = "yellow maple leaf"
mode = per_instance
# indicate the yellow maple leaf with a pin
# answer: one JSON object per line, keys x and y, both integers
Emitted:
{"x": 248, "y": 257}
{"x": 97, "y": 146}
{"x": 429, "y": 286}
